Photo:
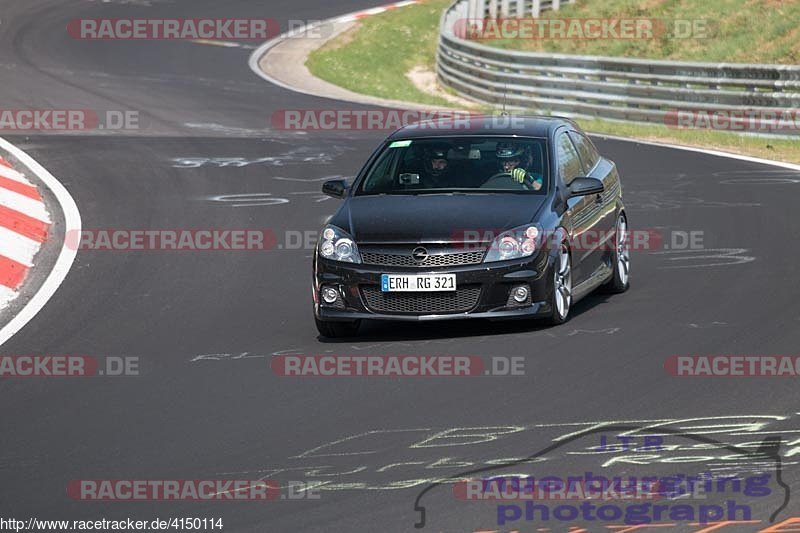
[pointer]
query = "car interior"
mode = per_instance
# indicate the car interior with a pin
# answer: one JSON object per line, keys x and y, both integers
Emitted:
{"x": 471, "y": 164}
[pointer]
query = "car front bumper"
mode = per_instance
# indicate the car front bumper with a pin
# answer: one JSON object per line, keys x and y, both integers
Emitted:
{"x": 360, "y": 298}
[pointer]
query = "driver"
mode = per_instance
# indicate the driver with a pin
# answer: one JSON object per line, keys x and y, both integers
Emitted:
{"x": 437, "y": 166}
{"x": 516, "y": 160}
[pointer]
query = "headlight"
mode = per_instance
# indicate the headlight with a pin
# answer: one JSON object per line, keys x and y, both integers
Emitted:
{"x": 515, "y": 244}
{"x": 335, "y": 244}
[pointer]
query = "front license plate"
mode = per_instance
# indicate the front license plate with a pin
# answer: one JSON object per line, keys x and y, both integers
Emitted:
{"x": 418, "y": 282}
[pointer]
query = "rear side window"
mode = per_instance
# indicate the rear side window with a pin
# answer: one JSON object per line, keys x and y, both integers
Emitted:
{"x": 569, "y": 164}
{"x": 586, "y": 149}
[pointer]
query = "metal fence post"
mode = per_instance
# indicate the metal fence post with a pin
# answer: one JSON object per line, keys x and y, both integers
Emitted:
{"x": 492, "y": 7}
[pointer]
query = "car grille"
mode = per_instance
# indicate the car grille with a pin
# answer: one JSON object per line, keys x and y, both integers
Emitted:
{"x": 421, "y": 303}
{"x": 436, "y": 260}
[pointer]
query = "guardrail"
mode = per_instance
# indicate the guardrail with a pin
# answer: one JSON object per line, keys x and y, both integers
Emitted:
{"x": 640, "y": 90}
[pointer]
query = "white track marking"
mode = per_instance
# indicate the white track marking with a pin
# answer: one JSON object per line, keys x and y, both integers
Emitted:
{"x": 224, "y": 44}
{"x": 23, "y": 204}
{"x": 72, "y": 222}
{"x": 12, "y": 174}
{"x": 6, "y": 295}
{"x": 17, "y": 247}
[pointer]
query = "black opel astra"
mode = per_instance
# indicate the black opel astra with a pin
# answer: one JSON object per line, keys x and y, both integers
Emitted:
{"x": 517, "y": 218}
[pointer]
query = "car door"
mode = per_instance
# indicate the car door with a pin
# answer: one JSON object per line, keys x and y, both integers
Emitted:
{"x": 604, "y": 170}
{"x": 582, "y": 210}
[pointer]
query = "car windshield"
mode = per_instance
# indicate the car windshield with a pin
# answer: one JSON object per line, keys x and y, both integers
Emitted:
{"x": 459, "y": 164}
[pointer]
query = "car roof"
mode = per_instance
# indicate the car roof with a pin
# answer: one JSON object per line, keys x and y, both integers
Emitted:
{"x": 467, "y": 124}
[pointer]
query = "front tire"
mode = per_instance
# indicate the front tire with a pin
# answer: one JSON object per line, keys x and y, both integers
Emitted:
{"x": 620, "y": 279}
{"x": 561, "y": 300}
{"x": 337, "y": 330}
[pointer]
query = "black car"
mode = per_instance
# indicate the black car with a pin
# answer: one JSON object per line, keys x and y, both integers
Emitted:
{"x": 494, "y": 221}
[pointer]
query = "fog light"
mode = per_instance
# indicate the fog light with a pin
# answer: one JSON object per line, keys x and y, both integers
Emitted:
{"x": 329, "y": 295}
{"x": 520, "y": 294}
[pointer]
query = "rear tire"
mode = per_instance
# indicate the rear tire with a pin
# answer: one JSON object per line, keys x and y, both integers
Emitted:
{"x": 561, "y": 300}
{"x": 620, "y": 279}
{"x": 337, "y": 330}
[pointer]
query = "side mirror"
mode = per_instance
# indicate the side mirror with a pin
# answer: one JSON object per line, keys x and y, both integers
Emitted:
{"x": 585, "y": 187}
{"x": 335, "y": 188}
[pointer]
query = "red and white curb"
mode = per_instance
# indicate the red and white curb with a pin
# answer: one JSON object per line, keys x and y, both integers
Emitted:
{"x": 24, "y": 225}
{"x": 374, "y": 11}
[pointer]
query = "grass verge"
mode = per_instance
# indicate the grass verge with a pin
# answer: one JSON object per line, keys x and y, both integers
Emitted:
{"x": 739, "y": 31}
{"x": 374, "y": 57}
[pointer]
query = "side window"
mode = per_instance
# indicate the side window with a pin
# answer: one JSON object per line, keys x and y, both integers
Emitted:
{"x": 569, "y": 164}
{"x": 586, "y": 149}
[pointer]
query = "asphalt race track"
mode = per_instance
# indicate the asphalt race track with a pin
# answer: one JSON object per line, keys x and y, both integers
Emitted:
{"x": 204, "y": 325}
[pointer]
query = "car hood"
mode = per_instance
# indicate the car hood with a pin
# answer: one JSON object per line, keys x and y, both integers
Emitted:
{"x": 433, "y": 217}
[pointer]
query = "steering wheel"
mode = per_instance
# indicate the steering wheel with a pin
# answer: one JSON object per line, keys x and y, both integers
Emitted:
{"x": 504, "y": 180}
